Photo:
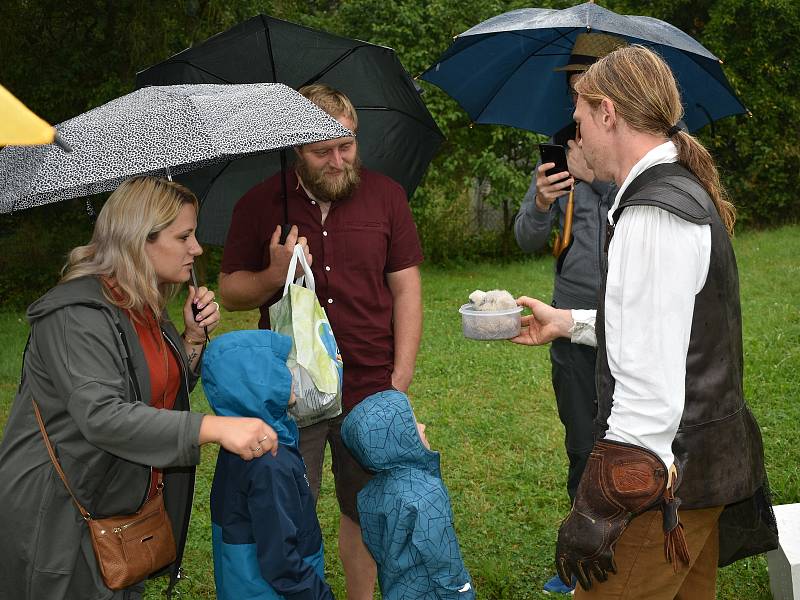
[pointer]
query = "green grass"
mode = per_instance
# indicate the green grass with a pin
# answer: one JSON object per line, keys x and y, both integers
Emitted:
{"x": 490, "y": 411}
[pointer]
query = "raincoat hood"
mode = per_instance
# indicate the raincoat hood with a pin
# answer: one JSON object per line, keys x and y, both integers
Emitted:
{"x": 81, "y": 291}
{"x": 245, "y": 375}
{"x": 381, "y": 432}
{"x": 404, "y": 510}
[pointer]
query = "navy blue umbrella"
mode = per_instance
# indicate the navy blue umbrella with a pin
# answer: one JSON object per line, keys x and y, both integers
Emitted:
{"x": 501, "y": 70}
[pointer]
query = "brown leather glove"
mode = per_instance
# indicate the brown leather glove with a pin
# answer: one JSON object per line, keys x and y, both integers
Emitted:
{"x": 620, "y": 482}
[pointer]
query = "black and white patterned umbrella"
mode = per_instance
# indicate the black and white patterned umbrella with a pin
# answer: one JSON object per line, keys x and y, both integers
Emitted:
{"x": 160, "y": 130}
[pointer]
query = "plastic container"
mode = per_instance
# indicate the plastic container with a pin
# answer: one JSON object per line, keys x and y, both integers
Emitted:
{"x": 488, "y": 324}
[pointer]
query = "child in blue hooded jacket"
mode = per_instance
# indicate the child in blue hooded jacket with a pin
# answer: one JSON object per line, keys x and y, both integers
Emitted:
{"x": 266, "y": 537}
{"x": 405, "y": 514}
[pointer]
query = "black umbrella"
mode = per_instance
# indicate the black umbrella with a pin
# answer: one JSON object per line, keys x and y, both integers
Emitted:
{"x": 396, "y": 133}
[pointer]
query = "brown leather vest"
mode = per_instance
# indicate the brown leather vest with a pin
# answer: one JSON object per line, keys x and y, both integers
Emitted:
{"x": 718, "y": 444}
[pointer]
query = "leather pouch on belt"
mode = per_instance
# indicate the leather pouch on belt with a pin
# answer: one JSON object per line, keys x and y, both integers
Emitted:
{"x": 620, "y": 482}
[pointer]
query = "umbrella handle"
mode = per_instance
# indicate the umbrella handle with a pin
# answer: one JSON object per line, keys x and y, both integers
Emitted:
{"x": 196, "y": 310}
{"x": 61, "y": 142}
{"x": 285, "y": 227}
{"x": 564, "y": 237}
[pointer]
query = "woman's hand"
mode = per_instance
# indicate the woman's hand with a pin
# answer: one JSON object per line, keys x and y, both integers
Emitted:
{"x": 247, "y": 437}
{"x": 207, "y": 317}
{"x": 544, "y": 325}
{"x": 206, "y": 320}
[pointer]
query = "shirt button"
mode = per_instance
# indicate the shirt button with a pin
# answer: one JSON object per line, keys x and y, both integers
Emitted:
{"x": 327, "y": 268}
{"x": 324, "y": 233}
{"x": 312, "y": 202}
{"x": 330, "y": 300}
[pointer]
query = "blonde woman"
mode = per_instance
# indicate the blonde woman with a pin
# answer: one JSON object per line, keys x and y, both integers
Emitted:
{"x": 111, "y": 376}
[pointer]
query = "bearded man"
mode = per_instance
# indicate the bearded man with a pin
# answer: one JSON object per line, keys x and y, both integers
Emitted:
{"x": 357, "y": 227}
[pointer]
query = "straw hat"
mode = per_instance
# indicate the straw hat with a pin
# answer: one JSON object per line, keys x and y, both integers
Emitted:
{"x": 589, "y": 48}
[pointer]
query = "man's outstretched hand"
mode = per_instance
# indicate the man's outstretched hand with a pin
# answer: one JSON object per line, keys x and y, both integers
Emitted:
{"x": 544, "y": 324}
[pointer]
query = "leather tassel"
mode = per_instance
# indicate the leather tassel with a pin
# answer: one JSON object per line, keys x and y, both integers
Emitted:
{"x": 675, "y": 547}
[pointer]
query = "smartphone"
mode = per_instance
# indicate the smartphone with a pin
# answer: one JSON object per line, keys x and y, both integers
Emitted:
{"x": 555, "y": 154}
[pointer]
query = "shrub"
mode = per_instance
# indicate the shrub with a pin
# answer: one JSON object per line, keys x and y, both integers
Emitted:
{"x": 759, "y": 156}
{"x": 34, "y": 246}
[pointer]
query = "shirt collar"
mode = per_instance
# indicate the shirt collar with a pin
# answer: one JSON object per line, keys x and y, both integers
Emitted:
{"x": 300, "y": 185}
{"x": 664, "y": 153}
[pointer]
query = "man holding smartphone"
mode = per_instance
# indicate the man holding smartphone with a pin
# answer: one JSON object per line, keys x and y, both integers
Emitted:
{"x": 577, "y": 268}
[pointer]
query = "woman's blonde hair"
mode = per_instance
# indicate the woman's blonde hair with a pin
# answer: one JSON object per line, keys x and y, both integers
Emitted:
{"x": 645, "y": 95}
{"x": 134, "y": 214}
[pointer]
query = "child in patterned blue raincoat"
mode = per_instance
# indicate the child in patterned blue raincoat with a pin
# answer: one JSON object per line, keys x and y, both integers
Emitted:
{"x": 265, "y": 534}
{"x": 405, "y": 514}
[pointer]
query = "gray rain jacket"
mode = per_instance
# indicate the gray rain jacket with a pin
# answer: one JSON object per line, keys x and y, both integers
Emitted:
{"x": 105, "y": 435}
{"x": 578, "y": 270}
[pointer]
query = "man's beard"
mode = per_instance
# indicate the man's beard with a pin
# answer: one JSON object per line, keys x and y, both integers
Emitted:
{"x": 330, "y": 189}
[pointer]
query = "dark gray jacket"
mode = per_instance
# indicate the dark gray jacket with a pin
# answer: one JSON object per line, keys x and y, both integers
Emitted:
{"x": 578, "y": 270}
{"x": 105, "y": 436}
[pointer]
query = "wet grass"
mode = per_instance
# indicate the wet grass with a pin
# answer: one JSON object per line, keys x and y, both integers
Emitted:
{"x": 490, "y": 411}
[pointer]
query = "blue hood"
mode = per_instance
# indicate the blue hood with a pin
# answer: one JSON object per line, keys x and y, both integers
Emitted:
{"x": 245, "y": 375}
{"x": 404, "y": 511}
{"x": 381, "y": 432}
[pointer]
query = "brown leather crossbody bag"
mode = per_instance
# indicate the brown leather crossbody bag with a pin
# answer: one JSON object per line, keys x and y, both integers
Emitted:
{"x": 128, "y": 548}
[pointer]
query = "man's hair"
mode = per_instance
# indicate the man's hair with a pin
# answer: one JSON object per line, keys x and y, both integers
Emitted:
{"x": 645, "y": 95}
{"x": 138, "y": 210}
{"x": 332, "y": 101}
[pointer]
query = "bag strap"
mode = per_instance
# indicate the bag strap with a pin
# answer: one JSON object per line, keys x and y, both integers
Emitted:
{"x": 84, "y": 513}
{"x": 299, "y": 255}
{"x": 137, "y": 392}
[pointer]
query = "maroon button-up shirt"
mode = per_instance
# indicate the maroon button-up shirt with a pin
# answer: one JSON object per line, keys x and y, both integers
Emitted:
{"x": 363, "y": 238}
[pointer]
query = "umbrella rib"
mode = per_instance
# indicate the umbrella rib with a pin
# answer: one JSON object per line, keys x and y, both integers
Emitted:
{"x": 703, "y": 63}
{"x": 517, "y": 68}
{"x": 698, "y": 60}
{"x": 201, "y": 69}
{"x": 708, "y": 116}
{"x": 332, "y": 64}
{"x": 479, "y": 39}
{"x": 530, "y": 37}
{"x": 404, "y": 113}
{"x": 269, "y": 47}
{"x": 284, "y": 195}
{"x": 211, "y": 183}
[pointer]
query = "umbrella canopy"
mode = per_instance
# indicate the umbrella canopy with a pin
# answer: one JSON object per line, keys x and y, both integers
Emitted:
{"x": 157, "y": 131}
{"x": 21, "y": 126}
{"x": 396, "y": 134}
{"x": 501, "y": 70}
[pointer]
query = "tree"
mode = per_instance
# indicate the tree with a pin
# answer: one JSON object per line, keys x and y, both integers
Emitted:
{"x": 63, "y": 57}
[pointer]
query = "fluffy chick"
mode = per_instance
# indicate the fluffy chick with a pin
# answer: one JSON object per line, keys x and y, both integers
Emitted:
{"x": 493, "y": 300}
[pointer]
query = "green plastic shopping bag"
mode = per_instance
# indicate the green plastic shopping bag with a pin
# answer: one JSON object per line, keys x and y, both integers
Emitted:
{"x": 314, "y": 360}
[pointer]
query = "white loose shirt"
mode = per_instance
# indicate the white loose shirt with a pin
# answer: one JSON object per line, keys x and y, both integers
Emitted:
{"x": 657, "y": 263}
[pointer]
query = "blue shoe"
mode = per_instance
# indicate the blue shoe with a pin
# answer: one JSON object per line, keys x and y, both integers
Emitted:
{"x": 556, "y": 586}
